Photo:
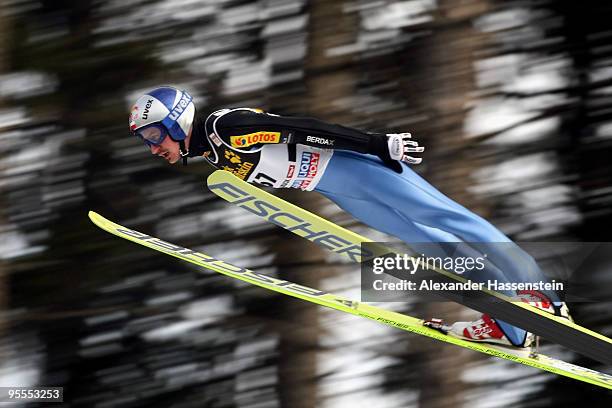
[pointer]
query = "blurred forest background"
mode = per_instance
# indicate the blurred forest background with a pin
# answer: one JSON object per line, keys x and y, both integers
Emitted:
{"x": 512, "y": 99}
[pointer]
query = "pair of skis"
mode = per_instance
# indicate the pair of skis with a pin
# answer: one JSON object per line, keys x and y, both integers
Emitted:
{"x": 342, "y": 241}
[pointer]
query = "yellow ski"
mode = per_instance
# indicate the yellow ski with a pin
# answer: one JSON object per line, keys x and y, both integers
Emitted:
{"x": 344, "y": 304}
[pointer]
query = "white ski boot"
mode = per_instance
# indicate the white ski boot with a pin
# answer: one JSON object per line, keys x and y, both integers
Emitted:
{"x": 486, "y": 329}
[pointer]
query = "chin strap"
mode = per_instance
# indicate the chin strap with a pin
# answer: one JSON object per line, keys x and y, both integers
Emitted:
{"x": 184, "y": 151}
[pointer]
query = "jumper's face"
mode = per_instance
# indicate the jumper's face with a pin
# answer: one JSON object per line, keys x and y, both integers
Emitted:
{"x": 167, "y": 149}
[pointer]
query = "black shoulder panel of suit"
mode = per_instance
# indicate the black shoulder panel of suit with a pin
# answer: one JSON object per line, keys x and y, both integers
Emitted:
{"x": 199, "y": 142}
{"x": 302, "y": 130}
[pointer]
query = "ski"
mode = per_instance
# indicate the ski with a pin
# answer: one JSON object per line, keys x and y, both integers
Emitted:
{"x": 347, "y": 305}
{"x": 347, "y": 243}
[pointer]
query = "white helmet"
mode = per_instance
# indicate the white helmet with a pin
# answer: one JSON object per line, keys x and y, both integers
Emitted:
{"x": 164, "y": 111}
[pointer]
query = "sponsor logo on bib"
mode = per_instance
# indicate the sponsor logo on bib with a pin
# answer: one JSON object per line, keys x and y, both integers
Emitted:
{"x": 237, "y": 166}
{"x": 308, "y": 169}
{"x": 255, "y": 138}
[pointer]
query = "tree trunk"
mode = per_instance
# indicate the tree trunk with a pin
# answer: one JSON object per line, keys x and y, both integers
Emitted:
{"x": 327, "y": 80}
{"x": 447, "y": 56}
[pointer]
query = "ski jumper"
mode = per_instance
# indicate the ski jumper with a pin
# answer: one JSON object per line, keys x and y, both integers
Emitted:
{"x": 305, "y": 153}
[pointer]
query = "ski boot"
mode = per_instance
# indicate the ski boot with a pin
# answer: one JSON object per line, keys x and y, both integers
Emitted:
{"x": 486, "y": 329}
{"x": 542, "y": 302}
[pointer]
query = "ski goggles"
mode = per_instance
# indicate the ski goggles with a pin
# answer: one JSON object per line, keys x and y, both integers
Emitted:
{"x": 153, "y": 134}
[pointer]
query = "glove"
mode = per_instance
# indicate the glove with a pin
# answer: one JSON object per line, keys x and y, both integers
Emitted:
{"x": 393, "y": 148}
